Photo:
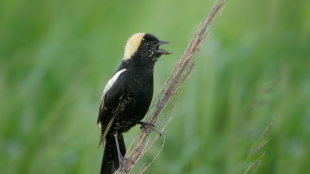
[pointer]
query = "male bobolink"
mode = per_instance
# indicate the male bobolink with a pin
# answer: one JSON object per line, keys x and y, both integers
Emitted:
{"x": 127, "y": 96}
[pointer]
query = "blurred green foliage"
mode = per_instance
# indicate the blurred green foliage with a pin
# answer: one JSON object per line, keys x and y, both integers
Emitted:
{"x": 56, "y": 57}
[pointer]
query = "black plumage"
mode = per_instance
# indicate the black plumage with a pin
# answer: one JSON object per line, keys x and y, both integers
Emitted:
{"x": 127, "y": 96}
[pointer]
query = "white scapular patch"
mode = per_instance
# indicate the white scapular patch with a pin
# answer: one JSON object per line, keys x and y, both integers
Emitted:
{"x": 110, "y": 84}
{"x": 132, "y": 45}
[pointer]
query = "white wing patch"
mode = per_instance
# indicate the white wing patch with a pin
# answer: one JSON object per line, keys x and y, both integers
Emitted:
{"x": 132, "y": 45}
{"x": 110, "y": 84}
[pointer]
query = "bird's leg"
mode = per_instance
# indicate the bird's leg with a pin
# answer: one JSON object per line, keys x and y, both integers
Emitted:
{"x": 120, "y": 156}
{"x": 150, "y": 125}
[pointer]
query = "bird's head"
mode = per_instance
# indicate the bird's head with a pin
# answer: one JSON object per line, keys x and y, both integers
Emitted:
{"x": 144, "y": 47}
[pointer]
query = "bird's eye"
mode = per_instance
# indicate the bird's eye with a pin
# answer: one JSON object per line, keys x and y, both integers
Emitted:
{"x": 149, "y": 45}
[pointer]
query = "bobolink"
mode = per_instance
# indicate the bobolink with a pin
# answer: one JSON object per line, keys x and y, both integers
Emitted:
{"x": 127, "y": 96}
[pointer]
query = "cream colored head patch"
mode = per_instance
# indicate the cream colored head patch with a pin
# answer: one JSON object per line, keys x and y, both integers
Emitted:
{"x": 132, "y": 45}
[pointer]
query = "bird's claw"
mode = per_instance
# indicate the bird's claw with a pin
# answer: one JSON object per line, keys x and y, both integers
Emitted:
{"x": 122, "y": 165}
{"x": 150, "y": 125}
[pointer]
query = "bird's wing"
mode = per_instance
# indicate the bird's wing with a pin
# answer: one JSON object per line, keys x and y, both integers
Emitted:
{"x": 110, "y": 100}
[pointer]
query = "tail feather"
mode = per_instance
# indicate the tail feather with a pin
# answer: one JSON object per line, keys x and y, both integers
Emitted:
{"x": 110, "y": 162}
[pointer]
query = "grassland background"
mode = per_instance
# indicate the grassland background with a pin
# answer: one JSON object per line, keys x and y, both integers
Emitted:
{"x": 56, "y": 57}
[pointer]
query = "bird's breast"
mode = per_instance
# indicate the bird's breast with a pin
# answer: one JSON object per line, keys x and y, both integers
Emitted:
{"x": 136, "y": 101}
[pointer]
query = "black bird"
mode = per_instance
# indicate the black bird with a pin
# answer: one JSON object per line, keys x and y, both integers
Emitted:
{"x": 127, "y": 96}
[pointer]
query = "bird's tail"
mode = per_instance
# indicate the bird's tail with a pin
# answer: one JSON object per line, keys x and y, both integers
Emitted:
{"x": 110, "y": 162}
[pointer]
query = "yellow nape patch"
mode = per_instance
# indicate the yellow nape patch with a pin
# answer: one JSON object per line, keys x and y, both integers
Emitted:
{"x": 132, "y": 45}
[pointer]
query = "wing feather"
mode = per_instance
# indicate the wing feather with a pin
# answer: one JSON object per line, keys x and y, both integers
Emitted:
{"x": 110, "y": 100}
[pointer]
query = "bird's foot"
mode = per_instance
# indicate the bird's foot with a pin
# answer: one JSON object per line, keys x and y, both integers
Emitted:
{"x": 121, "y": 163}
{"x": 150, "y": 125}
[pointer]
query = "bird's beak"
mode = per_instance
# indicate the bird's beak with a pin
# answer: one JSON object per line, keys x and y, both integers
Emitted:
{"x": 161, "y": 51}
{"x": 161, "y": 42}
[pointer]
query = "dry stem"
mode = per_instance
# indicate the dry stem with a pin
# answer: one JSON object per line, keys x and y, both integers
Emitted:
{"x": 178, "y": 77}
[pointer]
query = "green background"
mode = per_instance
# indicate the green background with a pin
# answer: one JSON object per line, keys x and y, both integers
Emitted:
{"x": 56, "y": 57}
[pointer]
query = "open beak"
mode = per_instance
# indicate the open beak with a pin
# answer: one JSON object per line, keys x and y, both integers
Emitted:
{"x": 161, "y": 51}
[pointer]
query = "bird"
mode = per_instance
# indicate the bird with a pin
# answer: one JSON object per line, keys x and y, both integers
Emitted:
{"x": 127, "y": 96}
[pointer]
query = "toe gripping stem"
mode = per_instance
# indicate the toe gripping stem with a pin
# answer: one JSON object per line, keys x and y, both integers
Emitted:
{"x": 150, "y": 125}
